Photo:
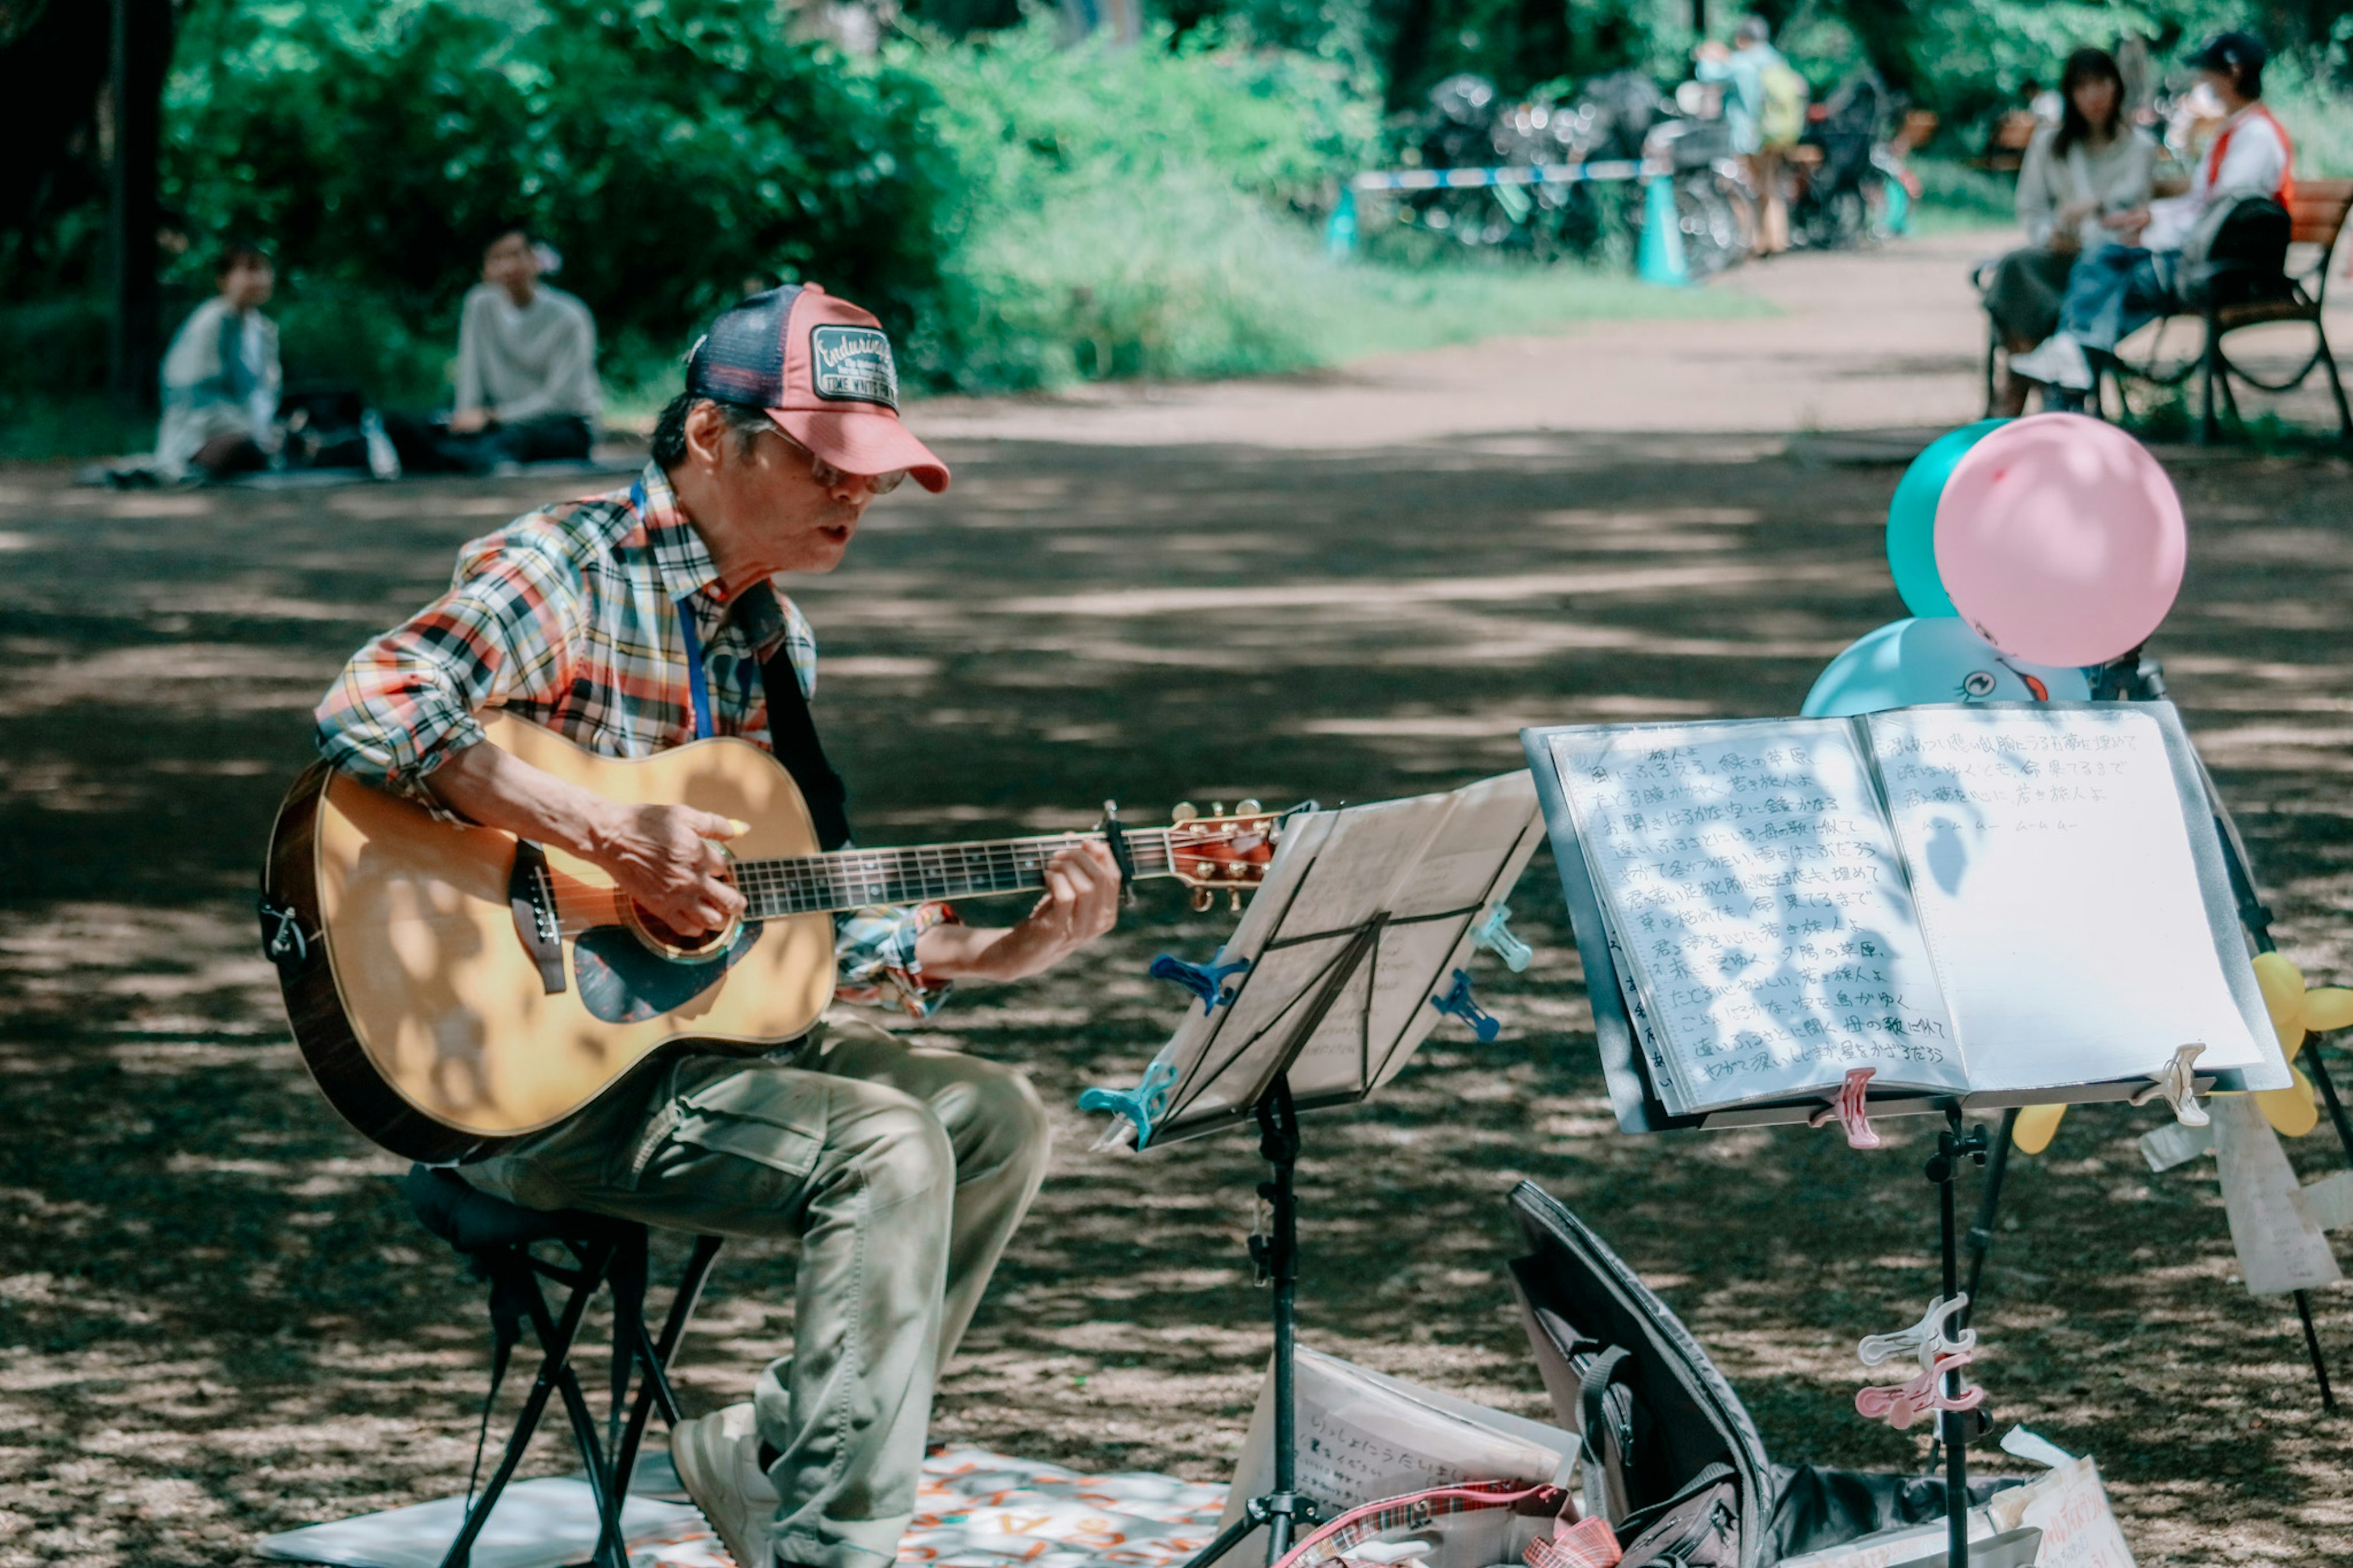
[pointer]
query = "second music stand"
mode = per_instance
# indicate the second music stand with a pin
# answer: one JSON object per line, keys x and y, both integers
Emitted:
{"x": 1356, "y": 946}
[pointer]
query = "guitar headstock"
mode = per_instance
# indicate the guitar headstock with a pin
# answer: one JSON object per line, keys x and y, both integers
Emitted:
{"x": 1225, "y": 851}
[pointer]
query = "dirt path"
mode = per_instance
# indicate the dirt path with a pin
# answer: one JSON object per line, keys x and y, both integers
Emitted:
{"x": 1888, "y": 339}
{"x": 217, "y": 1320}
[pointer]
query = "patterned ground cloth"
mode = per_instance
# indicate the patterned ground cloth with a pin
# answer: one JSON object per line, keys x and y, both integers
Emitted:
{"x": 975, "y": 1509}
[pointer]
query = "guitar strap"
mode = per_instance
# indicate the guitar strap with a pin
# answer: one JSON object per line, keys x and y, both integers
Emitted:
{"x": 791, "y": 730}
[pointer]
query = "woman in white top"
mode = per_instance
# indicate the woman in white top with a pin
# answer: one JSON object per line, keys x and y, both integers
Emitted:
{"x": 2078, "y": 173}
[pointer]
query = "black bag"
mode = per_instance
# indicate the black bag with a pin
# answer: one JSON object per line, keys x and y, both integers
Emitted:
{"x": 1672, "y": 1460}
{"x": 2236, "y": 253}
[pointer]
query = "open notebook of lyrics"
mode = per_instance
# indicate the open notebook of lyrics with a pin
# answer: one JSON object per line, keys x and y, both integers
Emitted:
{"x": 2009, "y": 902}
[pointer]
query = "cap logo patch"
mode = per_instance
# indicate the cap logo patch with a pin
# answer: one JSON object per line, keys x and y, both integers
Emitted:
{"x": 853, "y": 364}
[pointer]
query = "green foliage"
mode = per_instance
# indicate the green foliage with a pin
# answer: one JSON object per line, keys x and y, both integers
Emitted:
{"x": 2318, "y": 114}
{"x": 1955, "y": 196}
{"x": 1119, "y": 212}
{"x": 668, "y": 147}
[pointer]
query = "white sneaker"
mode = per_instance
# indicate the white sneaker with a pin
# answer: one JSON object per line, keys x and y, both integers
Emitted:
{"x": 718, "y": 1460}
{"x": 2058, "y": 361}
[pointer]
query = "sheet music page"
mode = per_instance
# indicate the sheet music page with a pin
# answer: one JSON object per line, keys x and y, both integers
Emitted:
{"x": 1759, "y": 895}
{"x": 2054, "y": 874}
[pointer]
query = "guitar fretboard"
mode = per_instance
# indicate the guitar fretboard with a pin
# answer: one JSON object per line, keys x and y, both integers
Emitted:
{"x": 848, "y": 878}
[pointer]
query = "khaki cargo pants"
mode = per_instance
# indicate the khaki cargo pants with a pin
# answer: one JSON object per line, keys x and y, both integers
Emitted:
{"x": 902, "y": 1171}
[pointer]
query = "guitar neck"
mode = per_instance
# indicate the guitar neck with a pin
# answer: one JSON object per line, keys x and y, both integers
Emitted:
{"x": 851, "y": 878}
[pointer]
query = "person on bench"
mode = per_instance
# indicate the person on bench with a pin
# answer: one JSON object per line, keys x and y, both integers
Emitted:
{"x": 527, "y": 389}
{"x": 2080, "y": 172}
{"x": 221, "y": 376}
{"x": 2116, "y": 290}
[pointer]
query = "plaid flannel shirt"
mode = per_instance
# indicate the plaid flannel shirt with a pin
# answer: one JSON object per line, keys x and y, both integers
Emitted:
{"x": 570, "y": 618}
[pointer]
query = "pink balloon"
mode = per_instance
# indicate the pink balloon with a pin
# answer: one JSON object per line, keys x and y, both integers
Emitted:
{"x": 2060, "y": 540}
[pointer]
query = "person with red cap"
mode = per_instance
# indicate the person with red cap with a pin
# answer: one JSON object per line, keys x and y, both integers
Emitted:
{"x": 647, "y": 618}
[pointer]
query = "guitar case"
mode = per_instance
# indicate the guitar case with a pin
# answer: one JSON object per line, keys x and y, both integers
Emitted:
{"x": 1673, "y": 1460}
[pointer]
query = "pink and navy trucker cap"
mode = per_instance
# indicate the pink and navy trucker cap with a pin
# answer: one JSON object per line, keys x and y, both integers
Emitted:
{"x": 822, "y": 368}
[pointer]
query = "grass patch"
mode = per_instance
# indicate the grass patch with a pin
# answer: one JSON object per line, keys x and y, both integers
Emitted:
{"x": 1386, "y": 310}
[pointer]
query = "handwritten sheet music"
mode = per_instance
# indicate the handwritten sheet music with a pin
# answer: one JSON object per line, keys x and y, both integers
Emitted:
{"x": 1755, "y": 885}
{"x": 2054, "y": 879}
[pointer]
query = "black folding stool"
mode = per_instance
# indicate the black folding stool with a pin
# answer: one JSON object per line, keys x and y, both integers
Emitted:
{"x": 496, "y": 1237}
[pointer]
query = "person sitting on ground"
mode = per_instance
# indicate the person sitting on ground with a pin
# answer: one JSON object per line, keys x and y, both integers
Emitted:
{"x": 527, "y": 389}
{"x": 1760, "y": 88}
{"x": 221, "y": 376}
{"x": 2089, "y": 167}
{"x": 2117, "y": 290}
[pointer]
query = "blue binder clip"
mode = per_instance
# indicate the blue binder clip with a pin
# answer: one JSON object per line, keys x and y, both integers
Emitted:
{"x": 1457, "y": 1004}
{"x": 1141, "y": 1105}
{"x": 1494, "y": 933}
{"x": 1204, "y": 981}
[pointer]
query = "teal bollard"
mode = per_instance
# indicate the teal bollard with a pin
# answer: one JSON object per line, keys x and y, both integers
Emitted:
{"x": 1661, "y": 258}
{"x": 1340, "y": 230}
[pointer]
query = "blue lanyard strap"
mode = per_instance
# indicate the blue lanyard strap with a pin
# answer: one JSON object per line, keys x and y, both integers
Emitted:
{"x": 698, "y": 683}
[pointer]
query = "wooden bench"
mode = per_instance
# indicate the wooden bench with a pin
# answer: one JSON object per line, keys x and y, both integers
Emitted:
{"x": 2318, "y": 217}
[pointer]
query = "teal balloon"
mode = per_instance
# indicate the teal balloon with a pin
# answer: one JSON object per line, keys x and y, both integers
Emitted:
{"x": 1912, "y": 519}
{"x": 1934, "y": 659}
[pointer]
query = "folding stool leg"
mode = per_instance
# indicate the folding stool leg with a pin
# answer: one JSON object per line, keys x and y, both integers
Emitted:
{"x": 596, "y": 1264}
{"x": 656, "y": 1390}
{"x": 555, "y": 1341}
{"x": 611, "y": 1551}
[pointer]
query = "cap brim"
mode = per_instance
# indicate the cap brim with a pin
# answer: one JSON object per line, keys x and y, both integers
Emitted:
{"x": 861, "y": 441}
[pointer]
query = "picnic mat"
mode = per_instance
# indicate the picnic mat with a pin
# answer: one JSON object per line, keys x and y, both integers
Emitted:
{"x": 973, "y": 1510}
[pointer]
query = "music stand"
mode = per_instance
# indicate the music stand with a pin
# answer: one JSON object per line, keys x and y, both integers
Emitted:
{"x": 1351, "y": 952}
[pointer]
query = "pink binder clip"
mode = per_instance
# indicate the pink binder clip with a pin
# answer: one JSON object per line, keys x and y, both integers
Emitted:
{"x": 1901, "y": 1404}
{"x": 1850, "y": 1111}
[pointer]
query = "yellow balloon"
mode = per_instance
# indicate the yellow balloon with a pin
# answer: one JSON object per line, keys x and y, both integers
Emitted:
{"x": 2282, "y": 988}
{"x": 2036, "y": 1123}
{"x": 2291, "y": 1111}
{"x": 2331, "y": 1007}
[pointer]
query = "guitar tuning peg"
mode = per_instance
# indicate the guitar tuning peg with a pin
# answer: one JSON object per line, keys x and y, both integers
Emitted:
{"x": 1216, "y": 808}
{"x": 1202, "y": 899}
{"x": 1235, "y": 906}
{"x": 1184, "y": 811}
{"x": 1248, "y": 808}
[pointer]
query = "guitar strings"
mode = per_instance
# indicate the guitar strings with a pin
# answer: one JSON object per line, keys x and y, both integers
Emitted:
{"x": 848, "y": 878}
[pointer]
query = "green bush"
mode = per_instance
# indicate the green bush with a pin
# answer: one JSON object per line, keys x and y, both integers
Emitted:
{"x": 1119, "y": 212}
{"x": 668, "y": 147}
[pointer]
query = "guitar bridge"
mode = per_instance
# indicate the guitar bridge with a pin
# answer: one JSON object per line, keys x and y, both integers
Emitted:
{"x": 531, "y": 895}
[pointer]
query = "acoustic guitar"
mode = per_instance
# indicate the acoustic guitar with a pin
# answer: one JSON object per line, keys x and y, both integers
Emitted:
{"x": 454, "y": 987}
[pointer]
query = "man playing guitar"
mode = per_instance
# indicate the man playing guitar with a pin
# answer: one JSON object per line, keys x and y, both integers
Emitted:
{"x": 646, "y": 618}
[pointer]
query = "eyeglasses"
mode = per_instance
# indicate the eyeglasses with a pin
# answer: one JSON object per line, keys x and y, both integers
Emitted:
{"x": 828, "y": 477}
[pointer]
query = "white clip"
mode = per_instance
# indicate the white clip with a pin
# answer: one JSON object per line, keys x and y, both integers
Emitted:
{"x": 2176, "y": 1083}
{"x": 1926, "y": 1338}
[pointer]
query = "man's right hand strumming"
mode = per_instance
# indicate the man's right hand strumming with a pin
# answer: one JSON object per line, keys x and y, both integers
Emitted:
{"x": 669, "y": 860}
{"x": 666, "y": 858}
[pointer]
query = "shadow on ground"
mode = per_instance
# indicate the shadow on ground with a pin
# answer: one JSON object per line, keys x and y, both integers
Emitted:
{"x": 216, "y": 1319}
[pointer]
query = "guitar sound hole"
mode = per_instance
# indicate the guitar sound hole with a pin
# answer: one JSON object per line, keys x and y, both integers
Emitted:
{"x": 662, "y": 933}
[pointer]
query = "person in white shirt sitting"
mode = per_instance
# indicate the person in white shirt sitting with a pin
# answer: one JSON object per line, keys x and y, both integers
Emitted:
{"x": 527, "y": 388}
{"x": 221, "y": 376}
{"x": 2088, "y": 166}
{"x": 2120, "y": 288}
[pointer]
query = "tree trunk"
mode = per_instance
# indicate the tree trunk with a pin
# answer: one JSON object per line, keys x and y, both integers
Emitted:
{"x": 53, "y": 60}
{"x": 1408, "y": 51}
{"x": 140, "y": 53}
